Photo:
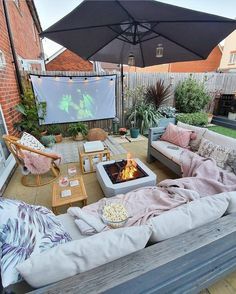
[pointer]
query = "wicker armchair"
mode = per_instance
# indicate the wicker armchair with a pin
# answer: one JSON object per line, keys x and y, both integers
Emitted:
{"x": 28, "y": 179}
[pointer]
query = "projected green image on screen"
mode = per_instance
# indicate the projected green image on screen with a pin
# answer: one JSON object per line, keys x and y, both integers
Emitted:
{"x": 77, "y": 99}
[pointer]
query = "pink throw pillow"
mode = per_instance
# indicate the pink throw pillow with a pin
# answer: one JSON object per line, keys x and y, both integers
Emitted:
{"x": 176, "y": 135}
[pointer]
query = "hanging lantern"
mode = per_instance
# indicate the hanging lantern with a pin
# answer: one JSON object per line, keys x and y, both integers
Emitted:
{"x": 131, "y": 59}
{"x": 159, "y": 51}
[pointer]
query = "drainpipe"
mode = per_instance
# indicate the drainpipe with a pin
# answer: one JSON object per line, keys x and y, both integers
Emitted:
{"x": 15, "y": 60}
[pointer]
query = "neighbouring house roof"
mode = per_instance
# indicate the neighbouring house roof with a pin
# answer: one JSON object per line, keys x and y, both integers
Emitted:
{"x": 54, "y": 55}
{"x": 34, "y": 14}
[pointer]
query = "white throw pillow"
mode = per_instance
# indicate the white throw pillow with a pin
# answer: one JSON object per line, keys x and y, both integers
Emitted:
{"x": 215, "y": 151}
{"x": 188, "y": 216}
{"x": 30, "y": 141}
{"x": 81, "y": 255}
{"x": 194, "y": 144}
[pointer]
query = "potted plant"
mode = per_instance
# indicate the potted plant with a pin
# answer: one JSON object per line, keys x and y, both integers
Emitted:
{"x": 78, "y": 131}
{"x": 142, "y": 116}
{"x": 56, "y": 131}
{"x": 158, "y": 94}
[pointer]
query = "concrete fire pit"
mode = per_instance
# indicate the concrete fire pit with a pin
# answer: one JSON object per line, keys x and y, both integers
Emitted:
{"x": 111, "y": 189}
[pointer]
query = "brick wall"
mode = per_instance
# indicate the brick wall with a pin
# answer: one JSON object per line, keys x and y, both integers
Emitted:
{"x": 9, "y": 94}
{"x": 69, "y": 61}
{"x": 27, "y": 46}
{"x": 26, "y": 39}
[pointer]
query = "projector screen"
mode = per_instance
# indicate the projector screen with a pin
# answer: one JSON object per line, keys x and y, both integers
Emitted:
{"x": 77, "y": 98}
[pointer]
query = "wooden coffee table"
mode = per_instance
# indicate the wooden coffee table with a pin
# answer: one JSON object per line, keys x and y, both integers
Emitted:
{"x": 78, "y": 193}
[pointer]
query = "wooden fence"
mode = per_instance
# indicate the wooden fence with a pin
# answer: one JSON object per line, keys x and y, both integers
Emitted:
{"x": 215, "y": 83}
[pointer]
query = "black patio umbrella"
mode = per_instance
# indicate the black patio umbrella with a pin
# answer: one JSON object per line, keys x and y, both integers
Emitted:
{"x": 145, "y": 32}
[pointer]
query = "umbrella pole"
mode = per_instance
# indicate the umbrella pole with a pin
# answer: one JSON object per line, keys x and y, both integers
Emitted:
{"x": 122, "y": 93}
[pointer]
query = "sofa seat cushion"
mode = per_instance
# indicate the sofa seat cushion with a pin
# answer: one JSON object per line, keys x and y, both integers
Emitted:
{"x": 188, "y": 216}
{"x": 82, "y": 255}
{"x": 194, "y": 144}
{"x": 170, "y": 150}
{"x": 68, "y": 223}
{"x": 220, "y": 139}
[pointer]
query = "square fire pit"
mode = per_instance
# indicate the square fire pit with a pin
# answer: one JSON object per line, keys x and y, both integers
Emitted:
{"x": 109, "y": 175}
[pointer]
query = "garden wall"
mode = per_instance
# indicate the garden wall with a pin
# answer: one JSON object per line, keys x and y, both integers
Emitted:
{"x": 216, "y": 83}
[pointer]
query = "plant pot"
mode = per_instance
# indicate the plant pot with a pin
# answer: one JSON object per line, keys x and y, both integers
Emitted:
{"x": 78, "y": 137}
{"x": 58, "y": 138}
{"x": 232, "y": 115}
{"x": 210, "y": 117}
{"x": 134, "y": 133}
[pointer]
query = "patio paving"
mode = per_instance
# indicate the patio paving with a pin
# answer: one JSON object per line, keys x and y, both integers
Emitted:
{"x": 42, "y": 196}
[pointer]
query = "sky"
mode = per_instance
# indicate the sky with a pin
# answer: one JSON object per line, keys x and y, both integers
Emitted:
{"x": 50, "y": 11}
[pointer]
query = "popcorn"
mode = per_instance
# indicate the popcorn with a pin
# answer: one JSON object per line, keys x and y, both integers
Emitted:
{"x": 115, "y": 212}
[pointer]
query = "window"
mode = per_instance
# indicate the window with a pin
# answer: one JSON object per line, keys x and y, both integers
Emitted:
{"x": 232, "y": 57}
{"x": 2, "y": 60}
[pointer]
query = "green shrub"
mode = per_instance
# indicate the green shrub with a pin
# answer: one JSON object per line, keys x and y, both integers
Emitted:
{"x": 191, "y": 96}
{"x": 48, "y": 141}
{"x": 195, "y": 119}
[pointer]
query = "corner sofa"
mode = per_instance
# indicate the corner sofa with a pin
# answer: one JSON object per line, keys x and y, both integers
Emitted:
{"x": 169, "y": 154}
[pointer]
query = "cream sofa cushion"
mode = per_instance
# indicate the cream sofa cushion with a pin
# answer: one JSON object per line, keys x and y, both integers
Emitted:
{"x": 81, "y": 255}
{"x": 70, "y": 227}
{"x": 170, "y": 150}
{"x": 194, "y": 144}
{"x": 188, "y": 216}
{"x": 220, "y": 139}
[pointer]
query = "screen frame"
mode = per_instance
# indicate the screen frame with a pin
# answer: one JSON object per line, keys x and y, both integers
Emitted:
{"x": 75, "y": 76}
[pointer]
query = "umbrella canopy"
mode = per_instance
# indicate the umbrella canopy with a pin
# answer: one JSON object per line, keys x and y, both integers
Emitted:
{"x": 113, "y": 30}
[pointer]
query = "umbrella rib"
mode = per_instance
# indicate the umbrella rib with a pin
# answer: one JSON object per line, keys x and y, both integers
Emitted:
{"x": 141, "y": 49}
{"x": 126, "y": 11}
{"x": 125, "y": 39}
{"x": 108, "y": 42}
{"x": 171, "y": 40}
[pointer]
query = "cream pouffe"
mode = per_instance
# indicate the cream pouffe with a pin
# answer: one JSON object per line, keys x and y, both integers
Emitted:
{"x": 79, "y": 256}
{"x": 188, "y": 216}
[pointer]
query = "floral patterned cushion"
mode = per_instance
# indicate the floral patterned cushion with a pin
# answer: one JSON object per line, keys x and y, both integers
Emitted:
{"x": 30, "y": 141}
{"x": 24, "y": 230}
{"x": 219, "y": 153}
{"x": 231, "y": 161}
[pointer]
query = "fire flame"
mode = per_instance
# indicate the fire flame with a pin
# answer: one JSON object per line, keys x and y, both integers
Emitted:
{"x": 129, "y": 170}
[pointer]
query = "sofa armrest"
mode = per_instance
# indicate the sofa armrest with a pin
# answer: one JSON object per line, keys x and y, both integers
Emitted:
{"x": 155, "y": 133}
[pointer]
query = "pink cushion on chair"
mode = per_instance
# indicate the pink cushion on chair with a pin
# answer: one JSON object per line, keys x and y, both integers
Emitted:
{"x": 176, "y": 135}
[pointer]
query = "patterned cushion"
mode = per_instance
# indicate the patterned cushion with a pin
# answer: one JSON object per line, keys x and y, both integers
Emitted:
{"x": 215, "y": 151}
{"x": 176, "y": 135}
{"x": 30, "y": 141}
{"x": 231, "y": 161}
{"x": 194, "y": 144}
{"x": 24, "y": 230}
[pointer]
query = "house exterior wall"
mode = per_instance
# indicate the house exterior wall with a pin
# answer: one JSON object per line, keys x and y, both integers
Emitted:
{"x": 209, "y": 65}
{"x": 229, "y": 46}
{"x": 26, "y": 46}
{"x": 69, "y": 61}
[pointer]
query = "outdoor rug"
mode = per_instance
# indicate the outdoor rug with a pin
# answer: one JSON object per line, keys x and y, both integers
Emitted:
{"x": 122, "y": 140}
{"x": 68, "y": 149}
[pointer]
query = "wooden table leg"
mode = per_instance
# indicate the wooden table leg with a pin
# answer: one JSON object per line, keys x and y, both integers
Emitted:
{"x": 85, "y": 202}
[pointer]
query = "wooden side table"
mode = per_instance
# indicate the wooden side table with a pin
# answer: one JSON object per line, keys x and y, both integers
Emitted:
{"x": 78, "y": 193}
{"x": 90, "y": 159}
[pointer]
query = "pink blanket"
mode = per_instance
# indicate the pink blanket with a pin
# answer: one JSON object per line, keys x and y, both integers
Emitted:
{"x": 37, "y": 164}
{"x": 202, "y": 178}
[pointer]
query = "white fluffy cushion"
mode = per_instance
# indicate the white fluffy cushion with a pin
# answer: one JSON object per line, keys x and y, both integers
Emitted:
{"x": 215, "y": 151}
{"x": 194, "y": 144}
{"x": 82, "y": 255}
{"x": 220, "y": 139}
{"x": 188, "y": 216}
{"x": 30, "y": 141}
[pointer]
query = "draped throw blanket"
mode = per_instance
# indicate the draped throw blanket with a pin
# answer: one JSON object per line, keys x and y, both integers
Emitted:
{"x": 37, "y": 164}
{"x": 202, "y": 177}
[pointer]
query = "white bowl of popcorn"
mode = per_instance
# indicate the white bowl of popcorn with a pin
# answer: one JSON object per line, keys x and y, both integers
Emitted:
{"x": 114, "y": 215}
